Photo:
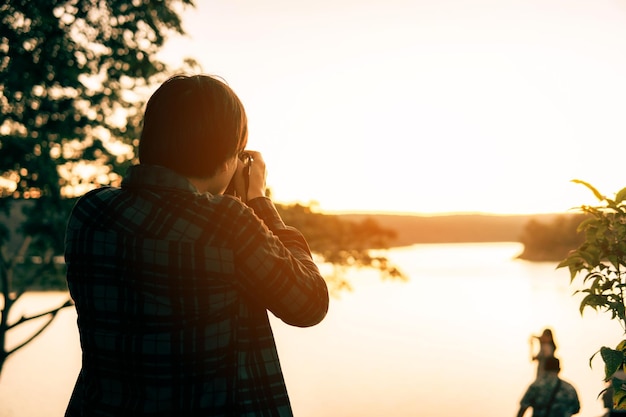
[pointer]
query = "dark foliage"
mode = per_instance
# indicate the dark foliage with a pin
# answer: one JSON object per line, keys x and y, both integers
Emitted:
{"x": 342, "y": 242}
{"x": 551, "y": 241}
{"x": 71, "y": 79}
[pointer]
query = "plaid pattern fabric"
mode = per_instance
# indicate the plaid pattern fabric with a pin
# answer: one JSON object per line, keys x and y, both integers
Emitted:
{"x": 172, "y": 289}
{"x": 538, "y": 395}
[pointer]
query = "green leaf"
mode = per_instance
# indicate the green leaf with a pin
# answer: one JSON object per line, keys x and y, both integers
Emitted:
{"x": 613, "y": 360}
{"x": 620, "y": 196}
{"x": 593, "y": 301}
{"x": 620, "y": 404}
{"x": 574, "y": 260}
{"x": 586, "y": 223}
{"x": 591, "y": 358}
{"x": 591, "y": 256}
{"x": 586, "y": 184}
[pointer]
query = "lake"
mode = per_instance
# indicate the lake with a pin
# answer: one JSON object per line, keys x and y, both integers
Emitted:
{"x": 453, "y": 340}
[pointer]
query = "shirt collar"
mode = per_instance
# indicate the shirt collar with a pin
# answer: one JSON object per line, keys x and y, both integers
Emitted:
{"x": 154, "y": 176}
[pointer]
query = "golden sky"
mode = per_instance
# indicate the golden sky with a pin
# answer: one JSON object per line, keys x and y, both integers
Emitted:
{"x": 425, "y": 106}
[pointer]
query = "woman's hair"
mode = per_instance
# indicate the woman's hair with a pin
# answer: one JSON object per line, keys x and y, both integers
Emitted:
{"x": 192, "y": 125}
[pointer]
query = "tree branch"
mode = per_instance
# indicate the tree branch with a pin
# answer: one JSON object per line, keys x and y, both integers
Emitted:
{"x": 53, "y": 312}
{"x": 23, "y": 319}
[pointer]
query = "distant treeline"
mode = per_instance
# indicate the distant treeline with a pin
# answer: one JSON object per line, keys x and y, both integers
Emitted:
{"x": 551, "y": 241}
{"x": 546, "y": 237}
{"x": 345, "y": 239}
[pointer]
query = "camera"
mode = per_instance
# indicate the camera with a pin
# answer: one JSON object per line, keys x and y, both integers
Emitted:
{"x": 240, "y": 182}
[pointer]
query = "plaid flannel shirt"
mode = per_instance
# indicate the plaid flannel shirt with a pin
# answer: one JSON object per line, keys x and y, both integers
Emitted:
{"x": 565, "y": 402}
{"x": 172, "y": 289}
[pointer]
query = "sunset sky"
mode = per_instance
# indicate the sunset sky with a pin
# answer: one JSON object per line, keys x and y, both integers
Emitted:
{"x": 425, "y": 106}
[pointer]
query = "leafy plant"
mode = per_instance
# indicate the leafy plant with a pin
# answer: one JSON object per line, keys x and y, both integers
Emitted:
{"x": 601, "y": 260}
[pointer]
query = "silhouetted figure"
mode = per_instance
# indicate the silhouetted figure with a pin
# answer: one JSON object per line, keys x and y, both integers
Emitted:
{"x": 547, "y": 347}
{"x": 550, "y": 396}
{"x": 173, "y": 279}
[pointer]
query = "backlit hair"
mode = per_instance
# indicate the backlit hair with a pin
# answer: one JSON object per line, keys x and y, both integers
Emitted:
{"x": 192, "y": 125}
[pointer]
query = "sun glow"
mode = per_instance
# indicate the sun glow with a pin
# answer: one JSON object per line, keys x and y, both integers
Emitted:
{"x": 425, "y": 107}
